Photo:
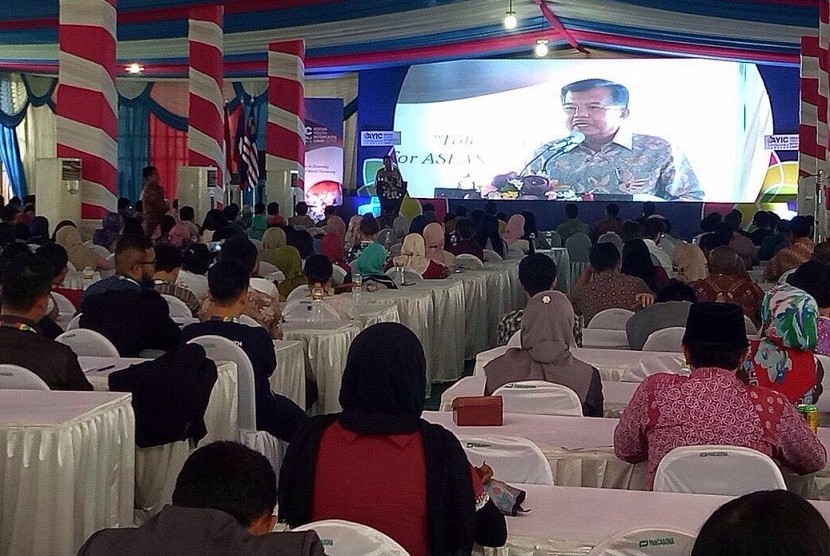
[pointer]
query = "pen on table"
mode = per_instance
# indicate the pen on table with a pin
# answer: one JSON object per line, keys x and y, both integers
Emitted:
{"x": 102, "y": 369}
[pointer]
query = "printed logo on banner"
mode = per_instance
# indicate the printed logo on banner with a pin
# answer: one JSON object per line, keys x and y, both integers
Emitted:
{"x": 781, "y": 142}
{"x": 380, "y": 138}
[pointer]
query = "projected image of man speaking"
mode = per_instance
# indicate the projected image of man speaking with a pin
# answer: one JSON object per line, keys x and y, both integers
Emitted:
{"x": 611, "y": 159}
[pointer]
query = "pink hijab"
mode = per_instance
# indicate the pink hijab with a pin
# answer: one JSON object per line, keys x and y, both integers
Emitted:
{"x": 179, "y": 235}
{"x": 515, "y": 229}
{"x": 434, "y": 242}
{"x": 336, "y": 226}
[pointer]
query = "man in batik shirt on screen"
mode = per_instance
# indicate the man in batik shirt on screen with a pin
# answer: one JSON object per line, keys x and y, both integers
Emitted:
{"x": 612, "y": 159}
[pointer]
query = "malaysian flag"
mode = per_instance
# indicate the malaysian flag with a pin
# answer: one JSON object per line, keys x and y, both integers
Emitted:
{"x": 248, "y": 157}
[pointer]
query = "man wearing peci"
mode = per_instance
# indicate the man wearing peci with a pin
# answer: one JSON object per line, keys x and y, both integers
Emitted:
{"x": 612, "y": 159}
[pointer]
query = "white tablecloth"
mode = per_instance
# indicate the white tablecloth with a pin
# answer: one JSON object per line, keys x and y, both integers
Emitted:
{"x": 476, "y": 325}
{"x": 447, "y": 333}
{"x": 326, "y": 346}
{"x": 66, "y": 469}
{"x": 289, "y": 377}
{"x": 604, "y": 339}
{"x": 570, "y": 521}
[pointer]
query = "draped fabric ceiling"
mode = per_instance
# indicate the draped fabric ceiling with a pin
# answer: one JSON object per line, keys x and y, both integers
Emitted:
{"x": 347, "y": 35}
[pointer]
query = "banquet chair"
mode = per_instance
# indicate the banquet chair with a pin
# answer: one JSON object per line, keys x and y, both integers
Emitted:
{"x": 653, "y": 363}
{"x": 74, "y": 323}
{"x": 265, "y": 268}
{"x": 646, "y": 541}
{"x": 539, "y": 397}
{"x": 395, "y": 250}
{"x": 178, "y": 308}
{"x": 611, "y": 319}
{"x": 783, "y": 278}
{"x": 102, "y": 252}
{"x": 515, "y": 340}
{"x": 751, "y": 329}
{"x": 409, "y": 277}
{"x": 299, "y": 292}
{"x": 338, "y": 275}
{"x": 513, "y": 459}
{"x": 579, "y": 248}
{"x": 723, "y": 470}
{"x": 265, "y": 286}
{"x": 345, "y": 538}
{"x": 248, "y": 321}
{"x": 221, "y": 349}
{"x": 666, "y": 339}
{"x": 85, "y": 342}
{"x": 15, "y": 377}
{"x": 555, "y": 240}
{"x": 468, "y": 261}
{"x": 66, "y": 310}
{"x": 385, "y": 237}
{"x": 490, "y": 256}
{"x": 514, "y": 254}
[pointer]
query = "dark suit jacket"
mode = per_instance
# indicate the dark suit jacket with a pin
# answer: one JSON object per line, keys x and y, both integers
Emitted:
{"x": 55, "y": 363}
{"x": 133, "y": 320}
{"x": 178, "y": 531}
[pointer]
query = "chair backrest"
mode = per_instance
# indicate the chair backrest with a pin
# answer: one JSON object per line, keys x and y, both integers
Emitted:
{"x": 646, "y": 541}
{"x": 724, "y": 470}
{"x": 75, "y": 323}
{"x": 395, "y": 250}
{"x": 465, "y": 260}
{"x": 85, "y": 342}
{"x": 750, "y": 326}
{"x": 219, "y": 349}
{"x": 667, "y": 339}
{"x": 515, "y": 340}
{"x": 299, "y": 292}
{"x": 538, "y": 397}
{"x": 783, "y": 278}
{"x": 248, "y": 321}
{"x": 101, "y": 251}
{"x": 385, "y": 237}
{"x": 555, "y": 239}
{"x": 178, "y": 308}
{"x": 514, "y": 253}
{"x": 338, "y": 275}
{"x": 315, "y": 231}
{"x": 490, "y": 255}
{"x": 653, "y": 363}
{"x": 65, "y": 307}
{"x": 265, "y": 268}
{"x": 611, "y": 319}
{"x": 14, "y": 377}
{"x": 409, "y": 276}
{"x": 579, "y": 247}
{"x": 265, "y": 286}
{"x": 513, "y": 459}
{"x": 345, "y": 538}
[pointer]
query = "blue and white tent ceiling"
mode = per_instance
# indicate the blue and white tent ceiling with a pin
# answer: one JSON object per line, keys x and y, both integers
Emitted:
{"x": 356, "y": 34}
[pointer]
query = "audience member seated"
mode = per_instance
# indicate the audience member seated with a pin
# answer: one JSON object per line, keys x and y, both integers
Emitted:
{"x": 653, "y": 231}
{"x": 434, "y": 243}
{"x": 713, "y": 405}
{"x": 531, "y": 232}
{"x": 80, "y": 255}
{"x": 165, "y": 279}
{"x": 301, "y": 221}
{"x": 186, "y": 215}
{"x": 229, "y": 285}
{"x": 394, "y": 471}
{"x": 318, "y": 272}
{"x": 611, "y": 222}
{"x": 761, "y": 228}
{"x": 332, "y": 245}
{"x": 300, "y": 239}
{"x": 289, "y": 262}
{"x": 193, "y": 275}
{"x": 573, "y": 225}
{"x": 26, "y": 283}
{"x": 513, "y": 234}
{"x": 110, "y": 231}
{"x": 368, "y": 251}
{"x": 261, "y": 307}
{"x": 729, "y": 282}
{"x": 799, "y": 251}
{"x": 602, "y": 286}
{"x": 223, "y": 504}
{"x": 214, "y": 220}
{"x": 637, "y": 262}
{"x": 782, "y": 359}
{"x": 764, "y": 523}
{"x": 741, "y": 244}
{"x": 547, "y": 337}
{"x": 631, "y": 229}
{"x": 39, "y": 231}
{"x": 821, "y": 252}
{"x": 773, "y": 243}
{"x": 413, "y": 258}
{"x": 259, "y": 223}
{"x": 47, "y": 326}
{"x": 125, "y": 308}
{"x": 466, "y": 244}
{"x": 690, "y": 262}
{"x": 671, "y": 309}
{"x": 814, "y": 278}
{"x": 274, "y": 216}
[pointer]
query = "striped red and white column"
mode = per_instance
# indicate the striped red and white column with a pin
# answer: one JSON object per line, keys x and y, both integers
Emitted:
{"x": 285, "y": 132}
{"x": 812, "y": 147}
{"x": 87, "y": 104}
{"x": 206, "y": 126}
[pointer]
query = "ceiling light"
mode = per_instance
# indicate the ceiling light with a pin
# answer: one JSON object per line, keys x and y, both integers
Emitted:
{"x": 510, "y": 19}
{"x": 134, "y": 68}
{"x": 541, "y": 49}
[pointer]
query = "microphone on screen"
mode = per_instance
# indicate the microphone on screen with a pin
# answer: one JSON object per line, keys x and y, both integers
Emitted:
{"x": 560, "y": 146}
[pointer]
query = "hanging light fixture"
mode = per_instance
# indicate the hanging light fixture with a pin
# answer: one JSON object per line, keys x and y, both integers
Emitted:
{"x": 541, "y": 49}
{"x": 510, "y": 19}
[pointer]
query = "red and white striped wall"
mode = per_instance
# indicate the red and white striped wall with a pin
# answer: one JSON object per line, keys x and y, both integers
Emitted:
{"x": 285, "y": 132}
{"x": 812, "y": 146}
{"x": 206, "y": 127}
{"x": 87, "y": 103}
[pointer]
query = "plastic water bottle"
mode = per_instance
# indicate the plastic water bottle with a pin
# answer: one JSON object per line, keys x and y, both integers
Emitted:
{"x": 399, "y": 274}
{"x": 317, "y": 303}
{"x": 357, "y": 287}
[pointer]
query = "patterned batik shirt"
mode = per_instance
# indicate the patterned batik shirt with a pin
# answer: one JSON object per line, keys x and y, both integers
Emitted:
{"x": 712, "y": 406}
{"x": 630, "y": 164}
{"x": 511, "y": 323}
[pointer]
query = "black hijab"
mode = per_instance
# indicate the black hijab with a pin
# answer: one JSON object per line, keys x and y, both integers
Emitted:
{"x": 636, "y": 261}
{"x": 382, "y": 392}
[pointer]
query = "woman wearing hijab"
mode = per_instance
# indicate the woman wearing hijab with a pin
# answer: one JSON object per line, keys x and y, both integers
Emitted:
{"x": 413, "y": 257}
{"x": 272, "y": 239}
{"x": 110, "y": 231}
{"x": 814, "y": 278}
{"x": 179, "y": 236}
{"x": 782, "y": 359}
{"x": 636, "y": 261}
{"x": 690, "y": 263}
{"x": 62, "y": 224}
{"x": 214, "y": 220}
{"x": 353, "y": 232}
{"x": 488, "y": 236}
{"x": 434, "y": 244}
{"x": 513, "y": 233}
{"x": 531, "y": 232}
{"x": 400, "y": 227}
{"x": 547, "y": 337}
{"x": 412, "y": 478}
{"x": 288, "y": 261}
{"x": 302, "y": 240}
{"x": 80, "y": 255}
{"x": 418, "y": 224}
{"x": 729, "y": 282}
{"x": 39, "y": 231}
{"x": 336, "y": 227}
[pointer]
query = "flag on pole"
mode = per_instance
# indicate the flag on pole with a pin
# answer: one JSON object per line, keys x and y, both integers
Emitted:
{"x": 248, "y": 156}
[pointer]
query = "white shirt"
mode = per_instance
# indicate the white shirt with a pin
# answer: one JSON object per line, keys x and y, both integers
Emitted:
{"x": 196, "y": 283}
{"x": 658, "y": 256}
